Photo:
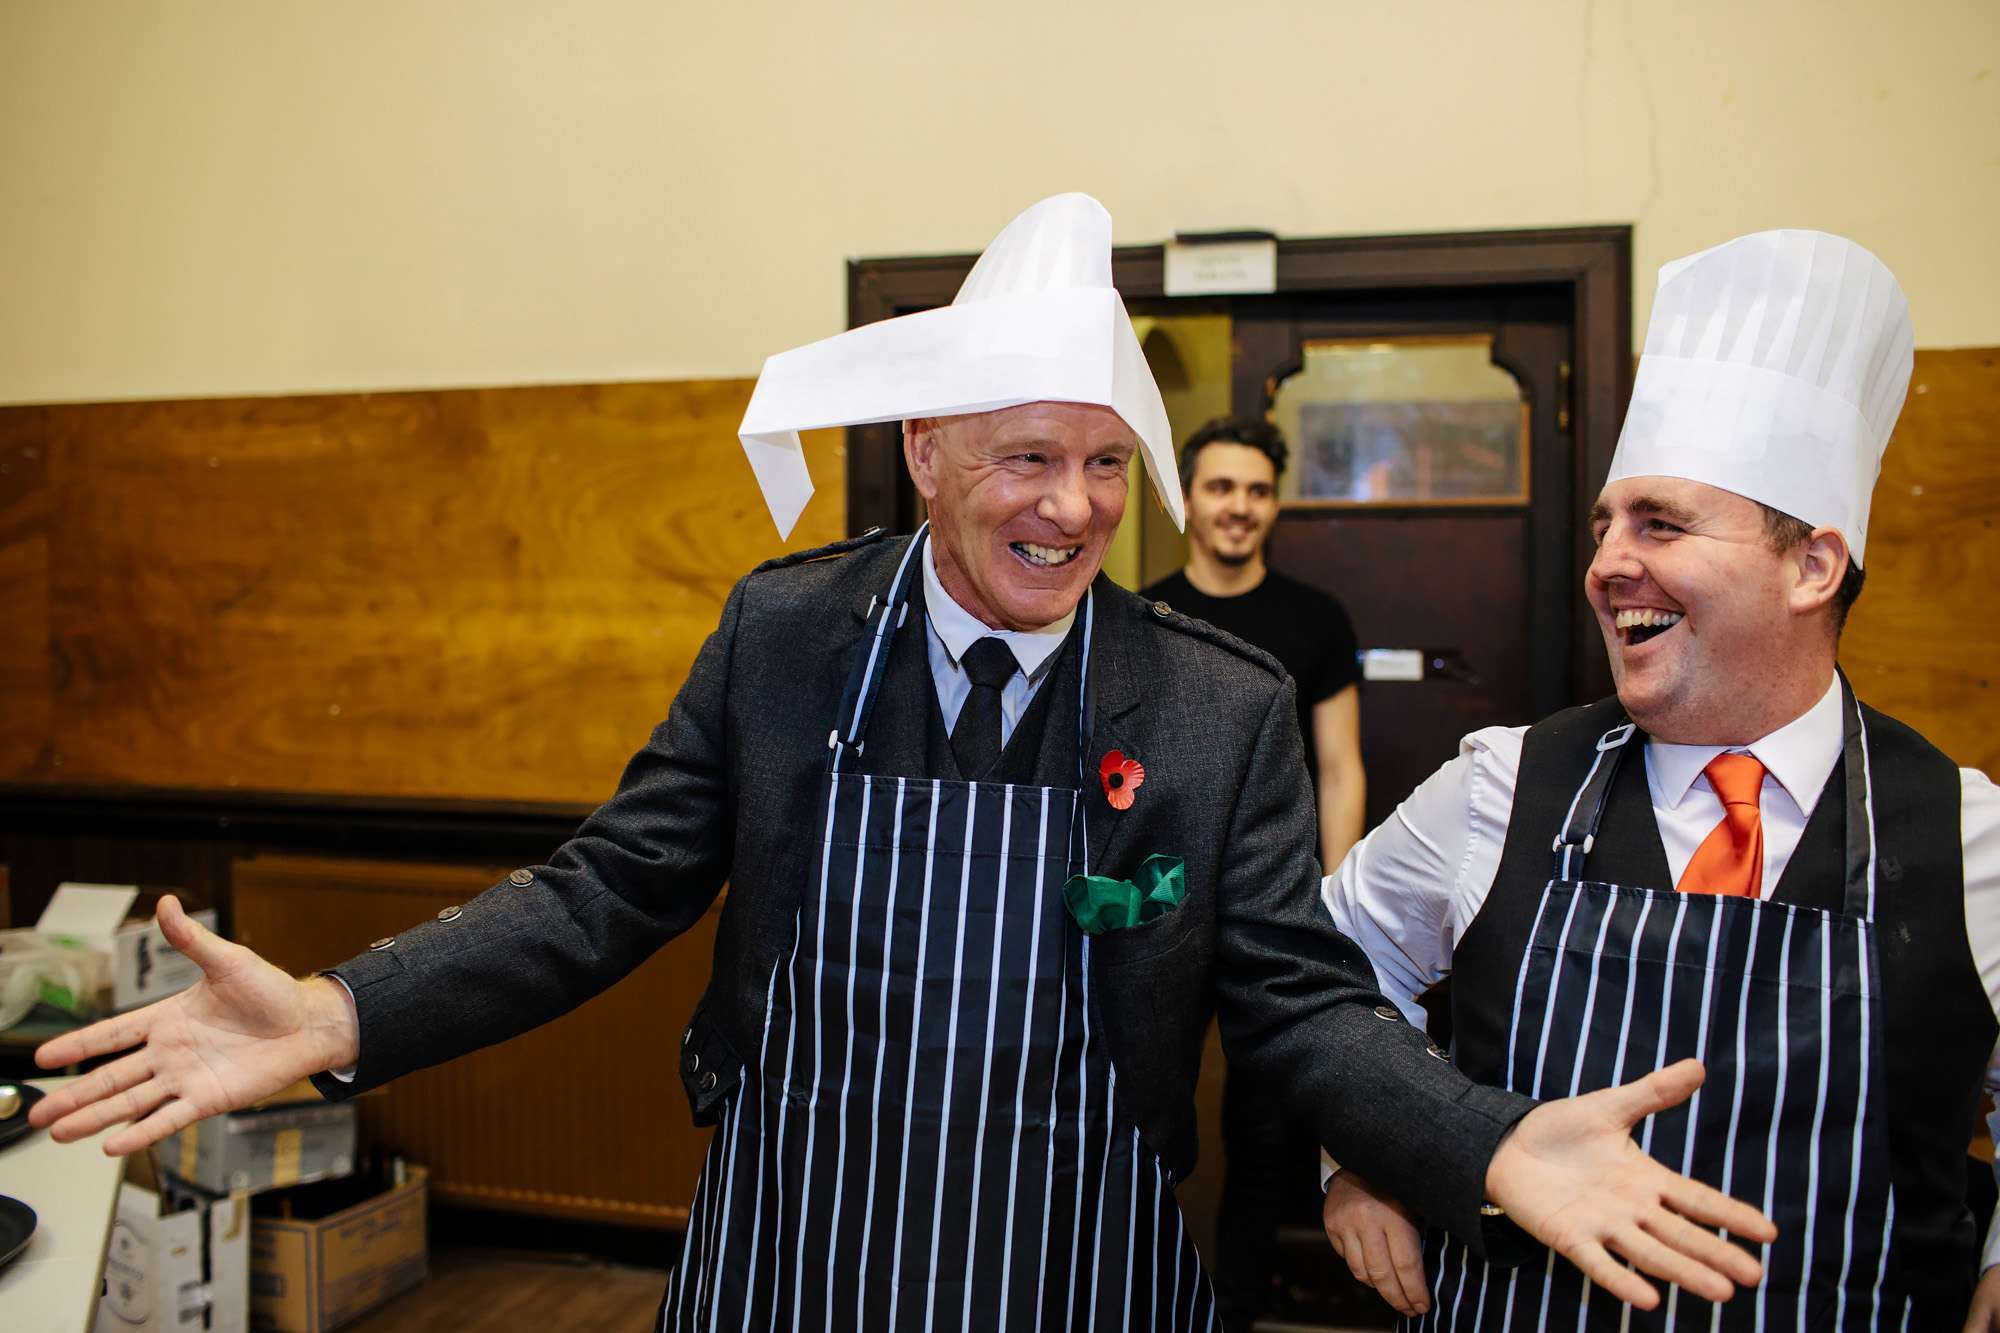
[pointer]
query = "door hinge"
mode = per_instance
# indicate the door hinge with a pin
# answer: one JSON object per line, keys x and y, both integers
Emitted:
{"x": 1564, "y": 390}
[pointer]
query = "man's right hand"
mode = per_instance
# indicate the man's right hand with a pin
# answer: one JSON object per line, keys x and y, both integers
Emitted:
{"x": 243, "y": 1032}
{"x": 1379, "y": 1240}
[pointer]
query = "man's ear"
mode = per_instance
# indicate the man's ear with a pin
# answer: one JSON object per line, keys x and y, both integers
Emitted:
{"x": 920, "y": 454}
{"x": 1821, "y": 563}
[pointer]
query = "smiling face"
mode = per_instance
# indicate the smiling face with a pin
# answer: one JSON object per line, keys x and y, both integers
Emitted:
{"x": 1023, "y": 504}
{"x": 1714, "y": 636}
{"x": 1232, "y": 501}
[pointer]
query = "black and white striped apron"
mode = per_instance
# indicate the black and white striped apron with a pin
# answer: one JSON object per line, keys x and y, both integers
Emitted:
{"x": 928, "y": 1137}
{"x": 1782, "y": 1004}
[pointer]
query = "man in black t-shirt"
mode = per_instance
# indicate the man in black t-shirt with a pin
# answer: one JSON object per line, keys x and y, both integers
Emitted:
{"x": 1229, "y": 471}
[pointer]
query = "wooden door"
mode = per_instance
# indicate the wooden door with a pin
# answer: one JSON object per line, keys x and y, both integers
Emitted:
{"x": 1433, "y": 491}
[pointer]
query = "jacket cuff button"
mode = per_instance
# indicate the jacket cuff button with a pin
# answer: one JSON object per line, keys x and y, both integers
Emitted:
{"x": 450, "y": 913}
{"x": 692, "y": 1063}
{"x": 521, "y": 876}
{"x": 708, "y": 1081}
{"x": 382, "y": 943}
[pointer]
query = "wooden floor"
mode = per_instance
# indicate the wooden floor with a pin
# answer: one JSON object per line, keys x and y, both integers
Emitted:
{"x": 497, "y": 1291}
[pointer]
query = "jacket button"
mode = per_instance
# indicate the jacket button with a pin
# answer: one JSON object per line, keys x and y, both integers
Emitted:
{"x": 687, "y": 1036}
{"x": 692, "y": 1063}
{"x": 1438, "y": 1051}
{"x": 521, "y": 876}
{"x": 450, "y": 913}
{"x": 1162, "y": 610}
{"x": 382, "y": 943}
{"x": 1387, "y": 1012}
{"x": 708, "y": 1081}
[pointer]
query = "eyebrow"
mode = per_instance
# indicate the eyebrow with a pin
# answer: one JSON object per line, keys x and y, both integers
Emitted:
{"x": 1645, "y": 504}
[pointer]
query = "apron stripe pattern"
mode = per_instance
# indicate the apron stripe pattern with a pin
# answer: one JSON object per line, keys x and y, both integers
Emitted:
{"x": 1782, "y": 1006}
{"x": 929, "y": 1137}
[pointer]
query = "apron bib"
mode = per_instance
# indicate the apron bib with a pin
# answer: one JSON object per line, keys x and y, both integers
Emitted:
{"x": 1782, "y": 1005}
{"x": 928, "y": 1138}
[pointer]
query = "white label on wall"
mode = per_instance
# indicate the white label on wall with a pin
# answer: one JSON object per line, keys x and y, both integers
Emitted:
{"x": 1392, "y": 664}
{"x": 1222, "y": 268}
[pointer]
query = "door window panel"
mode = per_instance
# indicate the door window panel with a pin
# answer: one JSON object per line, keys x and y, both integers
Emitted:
{"x": 1403, "y": 421}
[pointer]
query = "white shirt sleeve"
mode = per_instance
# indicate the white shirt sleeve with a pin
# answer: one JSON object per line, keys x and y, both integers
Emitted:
{"x": 1979, "y": 828}
{"x": 1407, "y": 891}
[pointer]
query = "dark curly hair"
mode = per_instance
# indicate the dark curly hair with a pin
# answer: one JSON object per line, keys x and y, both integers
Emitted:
{"x": 1252, "y": 432}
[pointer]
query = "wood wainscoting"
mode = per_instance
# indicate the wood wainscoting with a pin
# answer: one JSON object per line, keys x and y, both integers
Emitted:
{"x": 581, "y": 1118}
{"x": 485, "y": 594}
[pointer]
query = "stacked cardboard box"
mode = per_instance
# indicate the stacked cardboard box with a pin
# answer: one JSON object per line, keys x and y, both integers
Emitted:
{"x": 318, "y": 1247}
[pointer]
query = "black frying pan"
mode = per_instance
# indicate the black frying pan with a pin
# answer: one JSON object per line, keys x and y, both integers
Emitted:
{"x": 17, "y": 1224}
{"x": 15, "y": 1100}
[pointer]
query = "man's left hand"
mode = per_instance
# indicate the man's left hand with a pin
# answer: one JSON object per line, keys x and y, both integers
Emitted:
{"x": 1570, "y": 1175}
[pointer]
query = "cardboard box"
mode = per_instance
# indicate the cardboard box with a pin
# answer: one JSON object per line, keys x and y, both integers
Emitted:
{"x": 310, "y": 1275}
{"x": 144, "y": 967}
{"x": 248, "y": 1151}
{"x": 176, "y": 1270}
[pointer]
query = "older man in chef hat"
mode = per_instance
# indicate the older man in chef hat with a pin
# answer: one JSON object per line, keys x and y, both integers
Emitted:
{"x": 1749, "y": 865}
{"x": 999, "y": 837}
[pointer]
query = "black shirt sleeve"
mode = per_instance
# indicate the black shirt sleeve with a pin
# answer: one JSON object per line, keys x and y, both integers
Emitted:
{"x": 1334, "y": 666}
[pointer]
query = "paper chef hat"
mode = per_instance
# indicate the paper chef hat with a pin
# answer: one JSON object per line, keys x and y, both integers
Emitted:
{"x": 1774, "y": 367}
{"x": 1036, "y": 321}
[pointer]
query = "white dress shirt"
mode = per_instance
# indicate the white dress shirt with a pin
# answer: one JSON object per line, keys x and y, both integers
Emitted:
{"x": 1407, "y": 891}
{"x": 953, "y": 629}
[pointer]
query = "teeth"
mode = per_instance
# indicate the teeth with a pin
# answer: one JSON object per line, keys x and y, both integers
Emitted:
{"x": 1638, "y": 619}
{"x": 1047, "y": 555}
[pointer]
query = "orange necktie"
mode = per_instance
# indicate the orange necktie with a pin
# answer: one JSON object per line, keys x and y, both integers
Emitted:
{"x": 1731, "y": 858}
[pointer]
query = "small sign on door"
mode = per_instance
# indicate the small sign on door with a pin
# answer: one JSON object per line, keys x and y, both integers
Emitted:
{"x": 1392, "y": 663}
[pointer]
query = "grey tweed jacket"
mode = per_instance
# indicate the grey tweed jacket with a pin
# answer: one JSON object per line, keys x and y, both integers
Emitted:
{"x": 727, "y": 789}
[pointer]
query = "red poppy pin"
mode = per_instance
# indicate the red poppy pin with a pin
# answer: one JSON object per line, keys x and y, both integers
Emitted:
{"x": 1121, "y": 777}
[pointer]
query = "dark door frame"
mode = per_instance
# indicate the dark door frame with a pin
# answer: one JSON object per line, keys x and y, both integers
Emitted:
{"x": 1594, "y": 263}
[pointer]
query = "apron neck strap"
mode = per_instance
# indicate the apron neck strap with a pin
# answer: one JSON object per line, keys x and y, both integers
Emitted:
{"x": 1586, "y": 808}
{"x": 1859, "y": 890}
{"x": 871, "y": 664}
{"x": 885, "y": 617}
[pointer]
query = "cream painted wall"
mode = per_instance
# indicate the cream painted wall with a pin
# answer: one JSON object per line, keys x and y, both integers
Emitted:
{"x": 267, "y": 196}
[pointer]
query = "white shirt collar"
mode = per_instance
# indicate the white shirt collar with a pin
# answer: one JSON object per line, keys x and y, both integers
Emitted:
{"x": 1800, "y": 755}
{"x": 958, "y": 629}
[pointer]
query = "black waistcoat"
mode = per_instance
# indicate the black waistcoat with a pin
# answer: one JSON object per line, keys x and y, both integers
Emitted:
{"x": 907, "y": 734}
{"x": 1939, "y": 1026}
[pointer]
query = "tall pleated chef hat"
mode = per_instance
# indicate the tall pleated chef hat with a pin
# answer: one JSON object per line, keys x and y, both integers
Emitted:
{"x": 1036, "y": 321}
{"x": 1774, "y": 366}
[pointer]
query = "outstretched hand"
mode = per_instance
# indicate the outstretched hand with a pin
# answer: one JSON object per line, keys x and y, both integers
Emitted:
{"x": 244, "y": 1031}
{"x": 1570, "y": 1175}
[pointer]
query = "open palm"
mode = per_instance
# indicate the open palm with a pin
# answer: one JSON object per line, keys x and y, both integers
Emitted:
{"x": 1572, "y": 1177}
{"x": 242, "y": 1032}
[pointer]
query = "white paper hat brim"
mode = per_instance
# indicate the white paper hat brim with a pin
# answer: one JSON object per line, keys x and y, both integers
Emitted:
{"x": 1754, "y": 432}
{"x": 1071, "y": 345}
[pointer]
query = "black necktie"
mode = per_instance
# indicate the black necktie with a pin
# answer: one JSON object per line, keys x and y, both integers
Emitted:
{"x": 975, "y": 741}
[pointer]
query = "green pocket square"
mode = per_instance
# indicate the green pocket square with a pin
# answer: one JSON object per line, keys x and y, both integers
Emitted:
{"x": 1101, "y": 904}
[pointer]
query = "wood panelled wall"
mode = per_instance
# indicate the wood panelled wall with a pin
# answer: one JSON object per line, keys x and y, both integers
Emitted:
{"x": 488, "y": 593}
{"x": 494, "y": 593}
{"x": 1923, "y": 643}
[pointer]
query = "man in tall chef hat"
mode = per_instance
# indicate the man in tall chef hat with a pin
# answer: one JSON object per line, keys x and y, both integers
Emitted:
{"x": 1749, "y": 865}
{"x": 999, "y": 837}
